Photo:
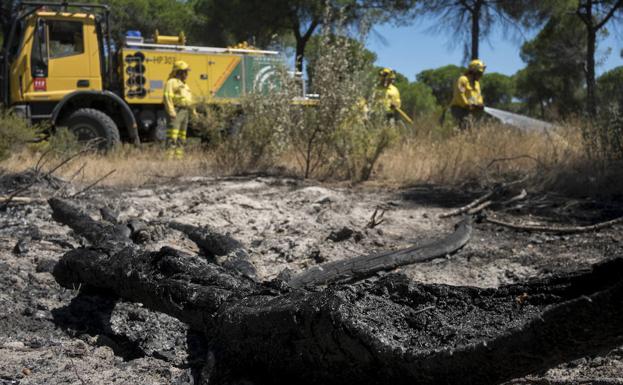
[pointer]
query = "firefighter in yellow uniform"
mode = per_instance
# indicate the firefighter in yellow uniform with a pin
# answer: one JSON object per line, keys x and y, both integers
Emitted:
{"x": 178, "y": 103}
{"x": 467, "y": 102}
{"x": 386, "y": 93}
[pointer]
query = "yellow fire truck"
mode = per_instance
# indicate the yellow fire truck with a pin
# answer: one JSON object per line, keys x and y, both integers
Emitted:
{"x": 60, "y": 65}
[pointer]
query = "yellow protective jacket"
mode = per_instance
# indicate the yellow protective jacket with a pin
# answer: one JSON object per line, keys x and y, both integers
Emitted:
{"x": 388, "y": 97}
{"x": 466, "y": 94}
{"x": 177, "y": 94}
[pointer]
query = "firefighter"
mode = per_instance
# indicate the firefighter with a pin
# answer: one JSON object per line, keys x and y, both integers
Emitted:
{"x": 386, "y": 93}
{"x": 178, "y": 103}
{"x": 467, "y": 102}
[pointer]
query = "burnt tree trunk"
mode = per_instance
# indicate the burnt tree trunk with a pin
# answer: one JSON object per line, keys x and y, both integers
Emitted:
{"x": 390, "y": 331}
{"x": 219, "y": 248}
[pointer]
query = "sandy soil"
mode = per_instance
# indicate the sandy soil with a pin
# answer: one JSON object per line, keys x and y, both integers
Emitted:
{"x": 50, "y": 335}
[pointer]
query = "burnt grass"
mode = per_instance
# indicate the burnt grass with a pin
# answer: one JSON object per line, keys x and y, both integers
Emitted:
{"x": 50, "y": 334}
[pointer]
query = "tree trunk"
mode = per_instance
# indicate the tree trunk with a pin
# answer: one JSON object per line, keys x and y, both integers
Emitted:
{"x": 390, "y": 331}
{"x": 593, "y": 25}
{"x": 300, "y": 53}
{"x": 591, "y": 101}
{"x": 302, "y": 39}
{"x": 475, "y": 13}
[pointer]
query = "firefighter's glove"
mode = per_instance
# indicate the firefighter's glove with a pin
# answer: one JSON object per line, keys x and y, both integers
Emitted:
{"x": 476, "y": 107}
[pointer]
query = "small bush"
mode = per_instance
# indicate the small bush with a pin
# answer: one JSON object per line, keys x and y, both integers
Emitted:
{"x": 360, "y": 144}
{"x": 15, "y": 133}
{"x": 63, "y": 141}
{"x": 251, "y": 137}
{"x": 602, "y": 138}
{"x": 345, "y": 133}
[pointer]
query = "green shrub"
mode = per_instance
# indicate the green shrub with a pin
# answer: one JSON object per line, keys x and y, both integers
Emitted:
{"x": 15, "y": 133}
{"x": 339, "y": 135}
{"x": 251, "y": 137}
{"x": 606, "y": 139}
{"x": 63, "y": 141}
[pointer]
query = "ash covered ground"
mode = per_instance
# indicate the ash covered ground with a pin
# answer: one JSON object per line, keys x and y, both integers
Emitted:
{"x": 51, "y": 335}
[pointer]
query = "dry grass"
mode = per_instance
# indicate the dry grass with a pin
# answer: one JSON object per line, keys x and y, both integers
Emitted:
{"x": 556, "y": 161}
{"x": 133, "y": 167}
{"x": 490, "y": 152}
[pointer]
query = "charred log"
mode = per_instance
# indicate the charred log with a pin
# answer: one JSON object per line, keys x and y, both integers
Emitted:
{"x": 389, "y": 331}
{"x": 111, "y": 237}
{"x": 368, "y": 265}
{"x": 219, "y": 248}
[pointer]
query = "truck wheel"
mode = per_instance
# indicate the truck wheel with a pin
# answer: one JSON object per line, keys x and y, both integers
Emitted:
{"x": 90, "y": 125}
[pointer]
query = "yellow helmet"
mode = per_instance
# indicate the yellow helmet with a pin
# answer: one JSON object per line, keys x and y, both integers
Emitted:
{"x": 477, "y": 66}
{"x": 387, "y": 73}
{"x": 181, "y": 65}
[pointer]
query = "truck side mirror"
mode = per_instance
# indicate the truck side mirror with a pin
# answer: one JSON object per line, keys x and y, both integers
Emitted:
{"x": 39, "y": 57}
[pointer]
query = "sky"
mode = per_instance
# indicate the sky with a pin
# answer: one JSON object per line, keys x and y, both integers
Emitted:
{"x": 411, "y": 49}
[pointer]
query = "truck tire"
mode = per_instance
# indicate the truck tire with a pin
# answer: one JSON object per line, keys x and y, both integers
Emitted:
{"x": 89, "y": 125}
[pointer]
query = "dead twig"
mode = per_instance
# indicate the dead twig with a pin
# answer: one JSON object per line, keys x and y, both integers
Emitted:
{"x": 93, "y": 184}
{"x": 46, "y": 176}
{"x": 464, "y": 209}
{"x": 555, "y": 229}
{"x": 42, "y": 161}
{"x": 424, "y": 310}
{"x": 21, "y": 200}
{"x": 479, "y": 208}
{"x": 522, "y": 195}
{"x": 67, "y": 160}
{"x": 376, "y": 219}
{"x": 483, "y": 202}
{"x": 64, "y": 186}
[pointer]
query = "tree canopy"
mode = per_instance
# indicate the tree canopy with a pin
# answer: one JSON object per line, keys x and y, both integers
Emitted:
{"x": 552, "y": 80}
{"x": 441, "y": 81}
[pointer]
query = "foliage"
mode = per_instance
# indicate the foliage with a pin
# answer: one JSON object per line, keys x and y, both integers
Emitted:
{"x": 498, "y": 90}
{"x": 6, "y": 10}
{"x": 359, "y": 143}
{"x": 260, "y": 21}
{"x": 603, "y": 138}
{"x": 169, "y": 17}
{"x": 63, "y": 141}
{"x": 551, "y": 83}
{"x": 418, "y": 100}
{"x": 595, "y": 15}
{"x": 356, "y": 49}
{"x": 339, "y": 73}
{"x": 610, "y": 87}
{"x": 15, "y": 133}
{"x": 253, "y": 136}
{"x": 469, "y": 21}
{"x": 226, "y": 23}
{"x": 441, "y": 81}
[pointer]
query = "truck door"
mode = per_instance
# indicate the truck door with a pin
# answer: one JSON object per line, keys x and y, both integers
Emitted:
{"x": 74, "y": 58}
{"x": 64, "y": 57}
